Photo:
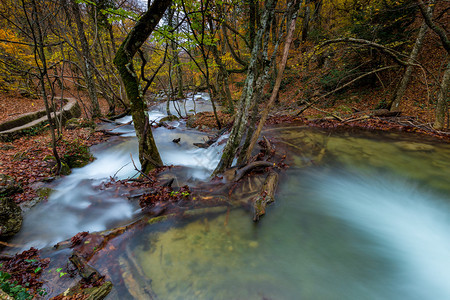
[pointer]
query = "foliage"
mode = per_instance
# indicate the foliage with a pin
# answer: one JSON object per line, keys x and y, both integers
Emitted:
{"x": 383, "y": 21}
{"x": 12, "y": 288}
{"x": 20, "y": 275}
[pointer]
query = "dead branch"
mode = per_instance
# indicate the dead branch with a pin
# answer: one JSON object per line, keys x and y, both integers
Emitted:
{"x": 391, "y": 52}
{"x": 250, "y": 167}
{"x": 86, "y": 271}
{"x": 309, "y": 104}
{"x": 266, "y": 196}
{"x": 142, "y": 173}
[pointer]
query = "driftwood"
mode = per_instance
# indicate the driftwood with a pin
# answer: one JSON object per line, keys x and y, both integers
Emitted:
{"x": 125, "y": 113}
{"x": 86, "y": 271}
{"x": 358, "y": 116}
{"x": 93, "y": 293}
{"x": 211, "y": 140}
{"x": 266, "y": 196}
{"x": 108, "y": 132}
{"x": 250, "y": 167}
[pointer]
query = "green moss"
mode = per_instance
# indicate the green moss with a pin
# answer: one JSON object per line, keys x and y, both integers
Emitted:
{"x": 76, "y": 155}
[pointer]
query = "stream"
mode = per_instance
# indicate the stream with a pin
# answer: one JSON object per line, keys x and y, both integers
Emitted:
{"x": 370, "y": 220}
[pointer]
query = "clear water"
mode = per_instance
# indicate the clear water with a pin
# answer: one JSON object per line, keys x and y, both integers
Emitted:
{"x": 372, "y": 221}
{"x": 358, "y": 216}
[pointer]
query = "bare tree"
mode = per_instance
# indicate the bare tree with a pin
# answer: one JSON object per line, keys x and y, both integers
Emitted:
{"x": 34, "y": 23}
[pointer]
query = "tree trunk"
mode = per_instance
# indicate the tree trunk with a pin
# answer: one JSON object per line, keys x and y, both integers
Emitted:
{"x": 276, "y": 88}
{"x": 441, "y": 106}
{"x": 223, "y": 75}
{"x": 306, "y": 19}
{"x": 245, "y": 101}
{"x": 39, "y": 55}
{"x": 123, "y": 93}
{"x": 395, "y": 102}
{"x": 175, "y": 60}
{"x": 87, "y": 59}
{"x": 148, "y": 153}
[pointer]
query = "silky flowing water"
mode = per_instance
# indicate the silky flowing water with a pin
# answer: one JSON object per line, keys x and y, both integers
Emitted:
{"x": 78, "y": 205}
{"x": 358, "y": 215}
{"x": 370, "y": 221}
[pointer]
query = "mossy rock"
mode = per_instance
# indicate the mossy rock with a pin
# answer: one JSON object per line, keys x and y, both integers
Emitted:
{"x": 10, "y": 217}
{"x": 65, "y": 169}
{"x": 77, "y": 155}
{"x": 77, "y": 160}
{"x": 169, "y": 118}
{"x": 75, "y": 123}
{"x": 8, "y": 186}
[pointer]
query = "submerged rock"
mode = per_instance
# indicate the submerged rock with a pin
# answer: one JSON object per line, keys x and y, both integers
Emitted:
{"x": 169, "y": 118}
{"x": 10, "y": 217}
{"x": 412, "y": 146}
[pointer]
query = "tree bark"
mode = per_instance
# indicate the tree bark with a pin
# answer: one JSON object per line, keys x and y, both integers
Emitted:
{"x": 276, "y": 88}
{"x": 411, "y": 60}
{"x": 441, "y": 105}
{"x": 245, "y": 101}
{"x": 88, "y": 63}
{"x": 148, "y": 153}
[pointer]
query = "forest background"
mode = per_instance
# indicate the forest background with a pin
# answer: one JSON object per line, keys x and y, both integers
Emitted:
{"x": 312, "y": 58}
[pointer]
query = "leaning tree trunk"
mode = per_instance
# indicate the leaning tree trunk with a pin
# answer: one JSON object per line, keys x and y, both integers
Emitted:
{"x": 395, "y": 102}
{"x": 148, "y": 153}
{"x": 39, "y": 55}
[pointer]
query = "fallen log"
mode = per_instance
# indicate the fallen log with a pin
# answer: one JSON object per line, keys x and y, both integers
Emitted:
{"x": 108, "y": 132}
{"x": 266, "y": 196}
{"x": 250, "y": 167}
{"x": 92, "y": 293}
{"x": 211, "y": 140}
{"x": 86, "y": 271}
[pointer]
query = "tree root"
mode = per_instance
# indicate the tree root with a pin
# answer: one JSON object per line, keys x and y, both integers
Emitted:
{"x": 266, "y": 196}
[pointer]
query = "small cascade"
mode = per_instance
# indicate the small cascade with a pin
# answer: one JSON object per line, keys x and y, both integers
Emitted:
{"x": 77, "y": 205}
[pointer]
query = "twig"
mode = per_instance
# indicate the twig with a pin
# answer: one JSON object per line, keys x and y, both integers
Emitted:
{"x": 10, "y": 245}
{"x": 142, "y": 173}
{"x": 114, "y": 176}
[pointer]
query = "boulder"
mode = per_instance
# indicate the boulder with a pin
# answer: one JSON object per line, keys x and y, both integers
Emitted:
{"x": 10, "y": 217}
{"x": 75, "y": 123}
{"x": 8, "y": 186}
{"x": 169, "y": 118}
